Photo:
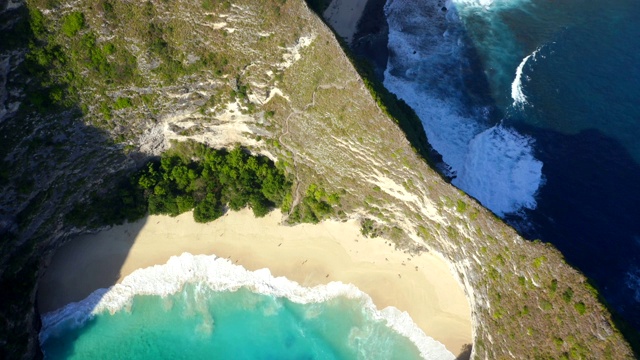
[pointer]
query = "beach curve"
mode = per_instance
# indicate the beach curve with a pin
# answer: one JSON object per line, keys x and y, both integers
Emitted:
{"x": 310, "y": 255}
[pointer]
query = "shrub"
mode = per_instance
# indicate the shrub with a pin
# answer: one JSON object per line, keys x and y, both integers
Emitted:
{"x": 122, "y": 103}
{"x": 368, "y": 228}
{"x": 461, "y": 206}
{"x": 207, "y": 210}
{"x": 580, "y": 307}
{"x": 236, "y": 179}
{"x": 72, "y": 23}
{"x": 567, "y": 295}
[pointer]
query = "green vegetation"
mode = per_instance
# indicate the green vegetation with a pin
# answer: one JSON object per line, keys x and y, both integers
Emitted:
{"x": 207, "y": 181}
{"x": 461, "y": 206}
{"x": 122, "y": 103}
{"x": 210, "y": 5}
{"x": 580, "y": 307}
{"x": 315, "y": 206}
{"x": 567, "y": 295}
{"x": 64, "y": 65}
{"x": 215, "y": 180}
{"x": 72, "y": 23}
{"x": 537, "y": 262}
{"x": 522, "y": 280}
{"x": 369, "y": 229}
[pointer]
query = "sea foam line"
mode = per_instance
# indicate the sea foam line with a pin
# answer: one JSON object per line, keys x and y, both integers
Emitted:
{"x": 220, "y": 274}
{"x": 516, "y": 86}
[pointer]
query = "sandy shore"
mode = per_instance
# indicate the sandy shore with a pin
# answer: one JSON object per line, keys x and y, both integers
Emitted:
{"x": 309, "y": 254}
{"x": 343, "y": 16}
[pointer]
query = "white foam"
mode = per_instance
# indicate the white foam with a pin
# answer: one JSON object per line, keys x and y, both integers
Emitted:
{"x": 633, "y": 282}
{"x": 482, "y": 3}
{"x": 221, "y": 275}
{"x": 501, "y": 171}
{"x": 492, "y": 163}
{"x": 516, "y": 86}
{"x": 487, "y": 4}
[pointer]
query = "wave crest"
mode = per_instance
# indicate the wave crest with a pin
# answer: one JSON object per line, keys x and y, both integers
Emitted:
{"x": 220, "y": 274}
{"x": 501, "y": 171}
{"x": 516, "y": 86}
{"x": 494, "y": 164}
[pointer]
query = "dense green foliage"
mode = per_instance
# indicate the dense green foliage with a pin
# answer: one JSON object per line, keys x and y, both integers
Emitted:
{"x": 65, "y": 65}
{"x": 217, "y": 179}
{"x": 316, "y": 205}
{"x": 206, "y": 181}
{"x": 124, "y": 203}
{"x": 73, "y": 23}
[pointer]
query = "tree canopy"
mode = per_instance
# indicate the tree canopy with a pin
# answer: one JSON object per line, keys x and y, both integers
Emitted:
{"x": 215, "y": 180}
{"x": 191, "y": 177}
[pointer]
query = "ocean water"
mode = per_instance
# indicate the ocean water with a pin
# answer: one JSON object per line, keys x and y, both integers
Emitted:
{"x": 199, "y": 307}
{"x": 431, "y": 67}
{"x": 535, "y": 108}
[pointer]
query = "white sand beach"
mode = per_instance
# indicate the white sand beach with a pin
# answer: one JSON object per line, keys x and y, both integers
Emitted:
{"x": 308, "y": 254}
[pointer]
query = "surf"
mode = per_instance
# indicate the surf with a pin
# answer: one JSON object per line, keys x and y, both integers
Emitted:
{"x": 188, "y": 281}
{"x": 518, "y": 96}
{"x": 490, "y": 161}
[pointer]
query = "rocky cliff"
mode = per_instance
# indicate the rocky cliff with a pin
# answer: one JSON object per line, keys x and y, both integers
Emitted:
{"x": 90, "y": 89}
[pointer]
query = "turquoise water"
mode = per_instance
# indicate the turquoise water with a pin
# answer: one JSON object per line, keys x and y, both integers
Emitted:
{"x": 198, "y": 323}
{"x": 534, "y": 106}
{"x": 579, "y": 100}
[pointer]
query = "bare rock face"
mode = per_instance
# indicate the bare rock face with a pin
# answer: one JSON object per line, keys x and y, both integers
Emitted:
{"x": 124, "y": 80}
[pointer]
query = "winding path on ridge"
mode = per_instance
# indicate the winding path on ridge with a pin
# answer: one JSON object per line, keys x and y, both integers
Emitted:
{"x": 296, "y": 197}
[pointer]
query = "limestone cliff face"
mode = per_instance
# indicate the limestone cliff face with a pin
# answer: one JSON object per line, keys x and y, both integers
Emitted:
{"x": 271, "y": 76}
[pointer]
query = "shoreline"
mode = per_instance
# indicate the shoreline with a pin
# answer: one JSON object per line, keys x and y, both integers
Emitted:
{"x": 308, "y": 254}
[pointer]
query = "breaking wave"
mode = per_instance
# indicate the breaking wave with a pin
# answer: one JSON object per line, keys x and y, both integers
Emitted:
{"x": 516, "y": 86}
{"x": 633, "y": 282}
{"x": 488, "y": 3}
{"x": 500, "y": 170}
{"x": 426, "y": 67}
{"x": 220, "y": 274}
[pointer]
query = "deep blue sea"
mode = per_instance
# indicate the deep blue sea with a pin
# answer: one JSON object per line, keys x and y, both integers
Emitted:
{"x": 534, "y": 106}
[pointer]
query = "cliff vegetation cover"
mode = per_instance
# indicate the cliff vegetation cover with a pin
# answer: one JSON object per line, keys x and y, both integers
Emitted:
{"x": 94, "y": 90}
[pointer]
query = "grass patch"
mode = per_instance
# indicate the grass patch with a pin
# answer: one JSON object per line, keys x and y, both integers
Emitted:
{"x": 122, "y": 103}
{"x": 73, "y": 23}
{"x": 580, "y": 307}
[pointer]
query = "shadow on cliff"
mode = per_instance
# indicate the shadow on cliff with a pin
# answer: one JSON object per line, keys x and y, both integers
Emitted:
{"x": 589, "y": 208}
{"x": 55, "y": 209}
{"x": 75, "y": 272}
{"x": 55, "y": 172}
{"x": 465, "y": 352}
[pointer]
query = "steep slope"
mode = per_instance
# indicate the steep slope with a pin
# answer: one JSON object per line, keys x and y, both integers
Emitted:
{"x": 122, "y": 80}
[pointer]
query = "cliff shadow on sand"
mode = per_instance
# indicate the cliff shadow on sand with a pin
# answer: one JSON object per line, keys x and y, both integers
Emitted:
{"x": 55, "y": 171}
